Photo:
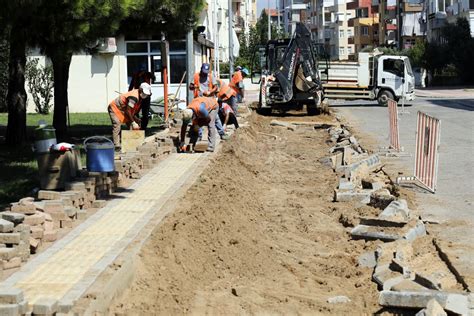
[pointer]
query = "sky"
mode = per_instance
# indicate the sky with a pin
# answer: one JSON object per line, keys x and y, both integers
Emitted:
{"x": 261, "y": 4}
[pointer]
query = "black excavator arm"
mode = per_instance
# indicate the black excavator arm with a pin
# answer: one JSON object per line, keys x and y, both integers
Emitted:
{"x": 298, "y": 61}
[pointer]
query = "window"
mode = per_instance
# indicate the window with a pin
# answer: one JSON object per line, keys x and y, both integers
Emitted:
{"x": 394, "y": 66}
{"x": 341, "y": 33}
{"x": 365, "y": 31}
{"x": 349, "y": 32}
{"x": 341, "y": 51}
{"x": 349, "y": 50}
{"x": 146, "y": 55}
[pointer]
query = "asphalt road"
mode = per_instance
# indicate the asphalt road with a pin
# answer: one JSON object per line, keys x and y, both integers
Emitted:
{"x": 452, "y": 204}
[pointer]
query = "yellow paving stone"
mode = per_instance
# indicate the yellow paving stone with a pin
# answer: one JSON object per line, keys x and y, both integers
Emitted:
{"x": 57, "y": 275}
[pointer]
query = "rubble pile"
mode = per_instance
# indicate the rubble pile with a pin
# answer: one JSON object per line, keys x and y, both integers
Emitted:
{"x": 402, "y": 281}
{"x": 30, "y": 222}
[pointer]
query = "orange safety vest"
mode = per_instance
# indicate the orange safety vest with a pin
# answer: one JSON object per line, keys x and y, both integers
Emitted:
{"x": 122, "y": 100}
{"x": 236, "y": 78}
{"x": 225, "y": 91}
{"x": 195, "y": 105}
{"x": 196, "y": 83}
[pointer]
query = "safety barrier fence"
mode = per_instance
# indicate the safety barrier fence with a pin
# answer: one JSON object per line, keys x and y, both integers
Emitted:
{"x": 394, "y": 136}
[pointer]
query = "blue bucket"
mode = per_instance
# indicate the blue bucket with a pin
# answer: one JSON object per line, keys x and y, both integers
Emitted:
{"x": 100, "y": 155}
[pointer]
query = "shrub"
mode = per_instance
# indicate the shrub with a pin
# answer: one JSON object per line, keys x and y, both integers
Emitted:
{"x": 40, "y": 83}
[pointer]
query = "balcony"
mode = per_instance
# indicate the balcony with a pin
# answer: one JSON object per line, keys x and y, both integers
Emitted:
{"x": 412, "y": 7}
{"x": 350, "y": 40}
{"x": 239, "y": 24}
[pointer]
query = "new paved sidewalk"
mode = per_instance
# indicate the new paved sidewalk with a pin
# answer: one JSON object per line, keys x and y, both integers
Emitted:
{"x": 65, "y": 270}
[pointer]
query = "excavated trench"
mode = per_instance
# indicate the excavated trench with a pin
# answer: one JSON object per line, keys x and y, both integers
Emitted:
{"x": 259, "y": 233}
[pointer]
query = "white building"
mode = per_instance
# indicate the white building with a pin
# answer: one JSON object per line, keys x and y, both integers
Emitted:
{"x": 438, "y": 12}
{"x": 292, "y": 11}
{"x": 94, "y": 80}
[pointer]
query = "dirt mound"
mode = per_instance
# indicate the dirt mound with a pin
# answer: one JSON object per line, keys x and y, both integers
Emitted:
{"x": 257, "y": 233}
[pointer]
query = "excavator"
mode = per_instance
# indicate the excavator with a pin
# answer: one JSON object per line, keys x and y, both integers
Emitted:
{"x": 287, "y": 72}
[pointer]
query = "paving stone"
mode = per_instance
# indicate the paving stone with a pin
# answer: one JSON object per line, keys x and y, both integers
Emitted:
{"x": 8, "y": 253}
{"x": 22, "y": 208}
{"x": 66, "y": 223}
{"x": 10, "y": 295}
{"x": 48, "y": 195}
{"x": 9, "y": 310}
{"x": 408, "y": 285}
{"x": 377, "y": 221}
{"x": 15, "y": 218}
{"x": 338, "y": 299}
{"x": 81, "y": 215}
{"x": 381, "y": 276}
{"x": 34, "y": 220}
{"x": 6, "y": 226}
{"x": 396, "y": 210}
{"x": 362, "y": 196}
{"x": 415, "y": 232}
{"x": 48, "y": 226}
{"x": 34, "y": 244}
{"x": 432, "y": 309}
{"x": 345, "y": 184}
{"x": 10, "y": 238}
{"x": 70, "y": 211}
{"x": 53, "y": 206}
{"x": 50, "y": 235}
{"x": 74, "y": 186}
{"x": 367, "y": 260}
{"x": 45, "y": 306}
{"x": 12, "y": 263}
{"x": 99, "y": 203}
{"x": 26, "y": 200}
{"x": 36, "y": 232}
{"x": 372, "y": 233}
{"x": 47, "y": 217}
{"x": 456, "y": 303}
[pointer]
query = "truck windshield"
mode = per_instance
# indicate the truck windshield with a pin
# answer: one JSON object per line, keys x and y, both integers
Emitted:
{"x": 408, "y": 65}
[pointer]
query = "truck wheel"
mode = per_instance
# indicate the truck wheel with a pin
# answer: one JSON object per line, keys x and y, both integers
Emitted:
{"x": 383, "y": 97}
{"x": 312, "y": 109}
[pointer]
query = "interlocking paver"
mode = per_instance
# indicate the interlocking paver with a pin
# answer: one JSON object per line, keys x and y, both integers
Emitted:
{"x": 64, "y": 267}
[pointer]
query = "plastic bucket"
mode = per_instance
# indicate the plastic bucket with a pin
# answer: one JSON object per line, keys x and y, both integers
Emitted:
{"x": 45, "y": 136}
{"x": 100, "y": 155}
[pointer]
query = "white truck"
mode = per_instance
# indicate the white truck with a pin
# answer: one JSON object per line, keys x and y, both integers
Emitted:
{"x": 373, "y": 77}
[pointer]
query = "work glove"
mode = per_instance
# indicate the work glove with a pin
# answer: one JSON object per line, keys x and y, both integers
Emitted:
{"x": 182, "y": 147}
{"x": 135, "y": 126}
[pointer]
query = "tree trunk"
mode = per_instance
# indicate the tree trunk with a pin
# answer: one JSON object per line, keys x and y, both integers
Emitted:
{"x": 16, "y": 97}
{"x": 61, "y": 60}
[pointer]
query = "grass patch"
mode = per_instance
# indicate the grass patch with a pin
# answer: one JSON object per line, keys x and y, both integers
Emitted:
{"x": 19, "y": 174}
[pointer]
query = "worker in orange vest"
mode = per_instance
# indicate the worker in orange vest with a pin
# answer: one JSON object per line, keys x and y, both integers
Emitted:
{"x": 225, "y": 97}
{"x": 237, "y": 83}
{"x": 202, "y": 111}
{"x": 138, "y": 78}
{"x": 124, "y": 110}
{"x": 204, "y": 82}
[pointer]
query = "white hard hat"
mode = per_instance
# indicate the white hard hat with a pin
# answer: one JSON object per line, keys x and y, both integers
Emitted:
{"x": 187, "y": 115}
{"x": 146, "y": 88}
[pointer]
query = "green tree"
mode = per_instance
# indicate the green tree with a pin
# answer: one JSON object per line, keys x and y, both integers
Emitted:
{"x": 65, "y": 27}
{"x": 15, "y": 19}
{"x": 40, "y": 84}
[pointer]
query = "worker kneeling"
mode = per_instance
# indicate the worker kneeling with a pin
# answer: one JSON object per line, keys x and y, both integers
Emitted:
{"x": 202, "y": 111}
{"x": 124, "y": 110}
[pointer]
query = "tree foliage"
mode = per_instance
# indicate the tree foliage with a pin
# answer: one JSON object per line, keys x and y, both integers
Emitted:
{"x": 40, "y": 84}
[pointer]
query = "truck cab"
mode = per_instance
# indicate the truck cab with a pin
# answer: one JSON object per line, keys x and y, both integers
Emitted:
{"x": 395, "y": 79}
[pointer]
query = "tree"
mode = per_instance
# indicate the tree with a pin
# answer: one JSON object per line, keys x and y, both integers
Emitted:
{"x": 65, "y": 27}
{"x": 15, "y": 18}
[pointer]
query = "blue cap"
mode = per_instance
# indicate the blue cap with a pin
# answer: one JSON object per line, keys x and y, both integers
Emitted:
{"x": 205, "y": 68}
{"x": 246, "y": 71}
{"x": 203, "y": 110}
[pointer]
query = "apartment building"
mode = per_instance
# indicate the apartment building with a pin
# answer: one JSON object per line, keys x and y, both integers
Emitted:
{"x": 439, "y": 12}
{"x": 365, "y": 24}
{"x": 292, "y": 11}
{"x": 328, "y": 21}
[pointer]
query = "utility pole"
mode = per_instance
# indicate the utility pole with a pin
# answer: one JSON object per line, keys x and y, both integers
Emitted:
{"x": 231, "y": 41}
{"x": 216, "y": 44}
{"x": 189, "y": 64}
{"x": 278, "y": 12}
{"x": 269, "y": 26}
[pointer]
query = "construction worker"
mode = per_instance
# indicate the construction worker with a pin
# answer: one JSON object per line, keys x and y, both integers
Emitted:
{"x": 124, "y": 110}
{"x": 237, "y": 83}
{"x": 226, "y": 96}
{"x": 138, "y": 78}
{"x": 202, "y": 111}
{"x": 204, "y": 82}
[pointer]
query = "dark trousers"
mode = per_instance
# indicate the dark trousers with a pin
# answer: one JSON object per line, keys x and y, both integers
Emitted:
{"x": 232, "y": 119}
{"x": 145, "y": 113}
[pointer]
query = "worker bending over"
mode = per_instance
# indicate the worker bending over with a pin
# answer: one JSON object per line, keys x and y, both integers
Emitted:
{"x": 124, "y": 110}
{"x": 202, "y": 111}
{"x": 237, "y": 83}
{"x": 226, "y": 96}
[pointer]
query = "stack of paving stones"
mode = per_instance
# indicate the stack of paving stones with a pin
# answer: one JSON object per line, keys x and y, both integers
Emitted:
{"x": 362, "y": 180}
{"x": 28, "y": 223}
{"x": 133, "y": 165}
